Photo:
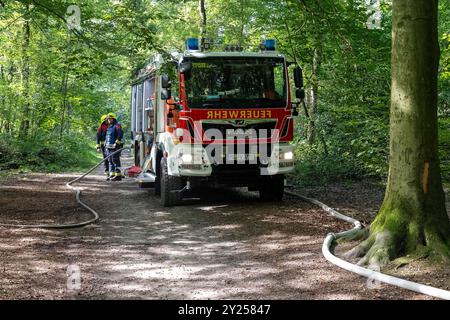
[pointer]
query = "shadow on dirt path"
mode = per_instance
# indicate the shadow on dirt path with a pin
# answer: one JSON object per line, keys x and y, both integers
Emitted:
{"x": 228, "y": 245}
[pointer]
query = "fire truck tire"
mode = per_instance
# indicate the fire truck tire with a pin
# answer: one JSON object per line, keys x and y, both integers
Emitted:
{"x": 169, "y": 184}
{"x": 145, "y": 185}
{"x": 137, "y": 161}
{"x": 272, "y": 190}
{"x": 158, "y": 176}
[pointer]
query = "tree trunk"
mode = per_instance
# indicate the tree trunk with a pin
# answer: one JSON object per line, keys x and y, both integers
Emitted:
{"x": 64, "y": 102}
{"x": 203, "y": 21}
{"x": 25, "y": 117}
{"x": 311, "y": 97}
{"x": 413, "y": 217}
{"x": 2, "y": 105}
{"x": 243, "y": 21}
{"x": 10, "y": 115}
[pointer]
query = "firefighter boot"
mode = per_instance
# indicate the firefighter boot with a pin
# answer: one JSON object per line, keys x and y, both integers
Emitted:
{"x": 117, "y": 176}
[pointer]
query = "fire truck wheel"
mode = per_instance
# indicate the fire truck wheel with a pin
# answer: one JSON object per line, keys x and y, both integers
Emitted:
{"x": 145, "y": 185}
{"x": 137, "y": 161}
{"x": 158, "y": 176}
{"x": 169, "y": 184}
{"x": 272, "y": 190}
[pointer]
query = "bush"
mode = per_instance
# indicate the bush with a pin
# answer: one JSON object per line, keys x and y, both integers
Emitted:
{"x": 357, "y": 149}
{"x": 315, "y": 167}
{"x": 47, "y": 153}
{"x": 444, "y": 148}
{"x": 357, "y": 146}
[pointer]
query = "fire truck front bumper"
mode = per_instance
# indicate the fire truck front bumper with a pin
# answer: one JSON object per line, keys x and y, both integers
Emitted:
{"x": 282, "y": 161}
{"x": 194, "y": 161}
{"x": 190, "y": 161}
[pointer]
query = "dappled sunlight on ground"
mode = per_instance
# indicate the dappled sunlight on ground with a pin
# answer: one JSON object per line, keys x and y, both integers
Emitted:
{"x": 227, "y": 245}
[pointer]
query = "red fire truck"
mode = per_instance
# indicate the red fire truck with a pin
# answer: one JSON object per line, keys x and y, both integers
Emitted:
{"x": 219, "y": 118}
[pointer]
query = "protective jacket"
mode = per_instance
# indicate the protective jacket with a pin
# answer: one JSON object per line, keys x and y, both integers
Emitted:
{"x": 114, "y": 135}
{"x": 101, "y": 134}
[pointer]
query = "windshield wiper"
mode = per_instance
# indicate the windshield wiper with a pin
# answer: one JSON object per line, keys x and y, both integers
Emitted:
{"x": 258, "y": 103}
{"x": 216, "y": 102}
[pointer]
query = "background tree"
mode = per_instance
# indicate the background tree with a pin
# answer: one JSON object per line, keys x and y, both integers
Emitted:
{"x": 413, "y": 216}
{"x": 74, "y": 76}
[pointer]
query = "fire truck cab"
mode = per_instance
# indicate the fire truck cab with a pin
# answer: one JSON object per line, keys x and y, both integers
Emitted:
{"x": 222, "y": 118}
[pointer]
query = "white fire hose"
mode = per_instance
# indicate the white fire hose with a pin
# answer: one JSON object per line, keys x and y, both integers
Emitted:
{"x": 77, "y": 195}
{"x": 371, "y": 274}
{"x": 374, "y": 275}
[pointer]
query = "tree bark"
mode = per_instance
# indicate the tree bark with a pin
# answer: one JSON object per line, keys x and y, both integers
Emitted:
{"x": 243, "y": 21}
{"x": 64, "y": 102}
{"x": 413, "y": 216}
{"x": 3, "y": 105}
{"x": 10, "y": 115}
{"x": 203, "y": 21}
{"x": 25, "y": 118}
{"x": 311, "y": 96}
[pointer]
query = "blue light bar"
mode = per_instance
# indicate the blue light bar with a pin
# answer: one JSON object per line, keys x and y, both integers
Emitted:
{"x": 192, "y": 44}
{"x": 271, "y": 44}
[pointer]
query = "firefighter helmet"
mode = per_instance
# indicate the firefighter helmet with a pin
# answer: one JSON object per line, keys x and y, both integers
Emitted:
{"x": 112, "y": 115}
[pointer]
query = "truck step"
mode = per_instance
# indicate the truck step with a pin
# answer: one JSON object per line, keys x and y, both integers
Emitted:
{"x": 146, "y": 177}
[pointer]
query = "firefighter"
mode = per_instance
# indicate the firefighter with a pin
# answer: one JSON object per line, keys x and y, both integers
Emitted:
{"x": 101, "y": 137}
{"x": 113, "y": 143}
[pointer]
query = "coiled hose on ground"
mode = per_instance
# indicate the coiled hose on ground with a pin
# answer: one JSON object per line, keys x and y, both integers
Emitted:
{"x": 78, "y": 196}
{"x": 371, "y": 274}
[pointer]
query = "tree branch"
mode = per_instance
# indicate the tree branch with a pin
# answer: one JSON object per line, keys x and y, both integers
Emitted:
{"x": 304, "y": 4}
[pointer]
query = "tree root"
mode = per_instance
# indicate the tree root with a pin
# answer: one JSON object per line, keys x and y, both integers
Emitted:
{"x": 358, "y": 235}
{"x": 405, "y": 228}
{"x": 382, "y": 247}
{"x": 375, "y": 252}
{"x": 403, "y": 261}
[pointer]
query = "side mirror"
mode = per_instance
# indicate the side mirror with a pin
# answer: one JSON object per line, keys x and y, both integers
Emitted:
{"x": 300, "y": 94}
{"x": 169, "y": 117}
{"x": 185, "y": 67}
{"x": 165, "y": 82}
{"x": 298, "y": 77}
{"x": 166, "y": 94}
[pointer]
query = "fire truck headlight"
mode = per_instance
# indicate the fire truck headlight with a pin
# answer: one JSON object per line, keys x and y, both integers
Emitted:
{"x": 187, "y": 158}
{"x": 264, "y": 161}
{"x": 287, "y": 155}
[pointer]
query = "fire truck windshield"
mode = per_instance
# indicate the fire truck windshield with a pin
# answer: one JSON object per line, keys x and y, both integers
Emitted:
{"x": 236, "y": 83}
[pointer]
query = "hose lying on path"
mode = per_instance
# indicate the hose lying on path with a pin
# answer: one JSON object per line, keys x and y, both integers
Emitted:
{"x": 371, "y": 274}
{"x": 77, "y": 195}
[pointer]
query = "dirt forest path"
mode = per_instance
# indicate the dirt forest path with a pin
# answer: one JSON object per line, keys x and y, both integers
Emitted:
{"x": 228, "y": 245}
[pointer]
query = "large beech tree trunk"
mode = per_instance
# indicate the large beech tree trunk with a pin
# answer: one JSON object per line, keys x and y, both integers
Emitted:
{"x": 413, "y": 217}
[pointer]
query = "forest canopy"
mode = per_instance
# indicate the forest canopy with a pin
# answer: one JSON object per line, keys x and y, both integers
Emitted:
{"x": 59, "y": 74}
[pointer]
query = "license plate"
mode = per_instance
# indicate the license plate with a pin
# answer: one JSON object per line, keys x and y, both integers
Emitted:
{"x": 241, "y": 157}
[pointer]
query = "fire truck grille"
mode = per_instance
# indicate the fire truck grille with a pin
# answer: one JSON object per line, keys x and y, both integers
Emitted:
{"x": 237, "y": 154}
{"x": 238, "y": 129}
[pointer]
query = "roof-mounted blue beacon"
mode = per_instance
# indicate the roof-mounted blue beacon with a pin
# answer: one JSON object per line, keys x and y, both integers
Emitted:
{"x": 192, "y": 44}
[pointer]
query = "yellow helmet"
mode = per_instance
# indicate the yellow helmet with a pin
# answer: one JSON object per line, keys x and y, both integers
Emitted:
{"x": 112, "y": 115}
{"x": 103, "y": 118}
